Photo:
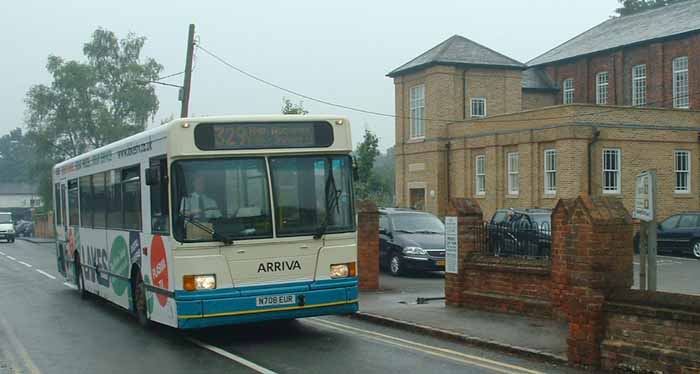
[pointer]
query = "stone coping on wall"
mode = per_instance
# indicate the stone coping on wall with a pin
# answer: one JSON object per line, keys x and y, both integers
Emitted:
{"x": 660, "y": 305}
{"x": 508, "y": 264}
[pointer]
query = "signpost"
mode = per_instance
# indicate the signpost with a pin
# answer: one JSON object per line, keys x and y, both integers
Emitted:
{"x": 644, "y": 210}
{"x": 451, "y": 245}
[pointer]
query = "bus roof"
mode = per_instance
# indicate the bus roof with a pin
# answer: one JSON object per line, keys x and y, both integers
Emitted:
{"x": 161, "y": 131}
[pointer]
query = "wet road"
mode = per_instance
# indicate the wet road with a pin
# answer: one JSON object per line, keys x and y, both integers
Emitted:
{"x": 46, "y": 328}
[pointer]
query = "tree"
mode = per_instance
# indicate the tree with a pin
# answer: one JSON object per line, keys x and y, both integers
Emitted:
{"x": 90, "y": 104}
{"x": 365, "y": 154}
{"x": 16, "y": 157}
{"x": 288, "y": 107}
{"x": 636, "y": 6}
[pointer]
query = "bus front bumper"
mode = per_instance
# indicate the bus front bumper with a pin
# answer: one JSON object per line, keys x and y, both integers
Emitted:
{"x": 230, "y": 306}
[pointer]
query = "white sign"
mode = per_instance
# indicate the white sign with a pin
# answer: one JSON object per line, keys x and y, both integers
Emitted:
{"x": 451, "y": 245}
{"x": 644, "y": 196}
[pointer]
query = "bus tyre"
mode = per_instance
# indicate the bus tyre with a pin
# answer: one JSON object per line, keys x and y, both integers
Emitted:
{"x": 79, "y": 277}
{"x": 140, "y": 300}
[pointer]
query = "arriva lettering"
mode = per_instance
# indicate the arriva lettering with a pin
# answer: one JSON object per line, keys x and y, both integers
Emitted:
{"x": 268, "y": 267}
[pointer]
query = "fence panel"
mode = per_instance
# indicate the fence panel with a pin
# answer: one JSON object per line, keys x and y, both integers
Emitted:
{"x": 515, "y": 239}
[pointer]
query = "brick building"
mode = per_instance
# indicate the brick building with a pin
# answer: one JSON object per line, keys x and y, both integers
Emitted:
{"x": 586, "y": 116}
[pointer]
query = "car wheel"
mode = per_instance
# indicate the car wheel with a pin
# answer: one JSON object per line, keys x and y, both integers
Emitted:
{"x": 395, "y": 266}
{"x": 695, "y": 249}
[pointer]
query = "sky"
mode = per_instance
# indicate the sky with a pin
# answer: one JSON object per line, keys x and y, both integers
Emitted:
{"x": 338, "y": 51}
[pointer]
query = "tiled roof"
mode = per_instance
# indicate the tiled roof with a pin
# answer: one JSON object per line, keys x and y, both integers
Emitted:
{"x": 649, "y": 25}
{"x": 458, "y": 50}
{"x": 536, "y": 79}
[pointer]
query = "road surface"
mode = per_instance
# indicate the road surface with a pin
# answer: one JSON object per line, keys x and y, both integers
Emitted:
{"x": 46, "y": 328}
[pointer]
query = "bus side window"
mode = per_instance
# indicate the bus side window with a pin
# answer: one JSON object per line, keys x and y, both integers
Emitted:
{"x": 57, "y": 204}
{"x": 73, "y": 197}
{"x": 131, "y": 198}
{"x": 160, "y": 214}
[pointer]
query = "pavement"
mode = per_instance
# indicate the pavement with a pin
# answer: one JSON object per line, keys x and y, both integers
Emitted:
{"x": 45, "y": 327}
{"x": 396, "y": 305}
{"x": 37, "y": 240}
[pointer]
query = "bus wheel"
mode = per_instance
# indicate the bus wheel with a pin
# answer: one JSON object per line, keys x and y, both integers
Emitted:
{"x": 140, "y": 300}
{"x": 79, "y": 277}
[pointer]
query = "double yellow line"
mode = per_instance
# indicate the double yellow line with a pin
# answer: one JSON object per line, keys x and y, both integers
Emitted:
{"x": 12, "y": 351}
{"x": 463, "y": 358}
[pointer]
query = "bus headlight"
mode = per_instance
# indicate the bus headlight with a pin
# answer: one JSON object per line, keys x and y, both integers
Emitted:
{"x": 199, "y": 282}
{"x": 343, "y": 270}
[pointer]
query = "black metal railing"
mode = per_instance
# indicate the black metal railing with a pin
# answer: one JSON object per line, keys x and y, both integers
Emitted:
{"x": 515, "y": 239}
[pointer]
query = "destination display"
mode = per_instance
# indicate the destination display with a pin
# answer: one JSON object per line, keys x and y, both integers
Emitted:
{"x": 258, "y": 135}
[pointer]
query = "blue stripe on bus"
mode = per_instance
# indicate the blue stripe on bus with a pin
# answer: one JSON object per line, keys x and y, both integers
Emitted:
{"x": 229, "y": 307}
{"x": 265, "y": 289}
{"x": 248, "y": 318}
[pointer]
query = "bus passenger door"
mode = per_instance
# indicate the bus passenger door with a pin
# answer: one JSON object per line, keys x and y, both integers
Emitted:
{"x": 61, "y": 225}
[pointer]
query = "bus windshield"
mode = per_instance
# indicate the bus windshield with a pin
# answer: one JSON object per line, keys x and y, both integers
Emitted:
{"x": 221, "y": 198}
{"x": 229, "y": 199}
{"x": 313, "y": 194}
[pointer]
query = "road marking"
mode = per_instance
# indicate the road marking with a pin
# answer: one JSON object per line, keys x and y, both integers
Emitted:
{"x": 11, "y": 258}
{"x": 19, "y": 348}
{"x": 434, "y": 351}
{"x": 25, "y": 264}
{"x": 2, "y": 253}
{"x": 70, "y": 285}
{"x": 45, "y": 273}
{"x": 231, "y": 356}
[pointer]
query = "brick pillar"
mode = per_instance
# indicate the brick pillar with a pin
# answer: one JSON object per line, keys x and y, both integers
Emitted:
{"x": 368, "y": 245}
{"x": 591, "y": 258}
{"x": 469, "y": 222}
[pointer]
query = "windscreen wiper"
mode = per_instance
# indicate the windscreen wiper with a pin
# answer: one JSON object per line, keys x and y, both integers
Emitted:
{"x": 332, "y": 197}
{"x": 218, "y": 236}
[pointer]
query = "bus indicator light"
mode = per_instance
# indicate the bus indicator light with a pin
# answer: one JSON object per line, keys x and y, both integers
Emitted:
{"x": 343, "y": 270}
{"x": 199, "y": 282}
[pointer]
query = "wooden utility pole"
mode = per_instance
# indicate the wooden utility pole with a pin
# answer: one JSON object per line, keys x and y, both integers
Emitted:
{"x": 185, "y": 93}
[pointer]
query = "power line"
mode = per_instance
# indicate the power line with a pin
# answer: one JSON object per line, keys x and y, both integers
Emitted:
{"x": 356, "y": 109}
{"x": 170, "y": 76}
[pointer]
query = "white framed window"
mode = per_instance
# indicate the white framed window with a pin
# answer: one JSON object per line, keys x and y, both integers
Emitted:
{"x": 639, "y": 85}
{"x": 550, "y": 171}
{"x": 682, "y": 166}
{"x": 601, "y": 88}
{"x": 480, "y": 174}
{"x": 611, "y": 170}
{"x": 417, "y": 107}
{"x": 478, "y": 107}
{"x": 680, "y": 83}
{"x": 568, "y": 91}
{"x": 513, "y": 173}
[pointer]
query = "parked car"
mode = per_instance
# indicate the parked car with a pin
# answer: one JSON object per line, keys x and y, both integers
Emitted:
{"x": 7, "y": 227}
{"x": 520, "y": 232}
{"x": 677, "y": 235}
{"x": 410, "y": 240}
{"x": 24, "y": 228}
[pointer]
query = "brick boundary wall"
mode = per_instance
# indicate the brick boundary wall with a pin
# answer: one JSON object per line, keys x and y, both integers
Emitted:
{"x": 368, "y": 245}
{"x": 469, "y": 219}
{"x": 44, "y": 226}
{"x": 652, "y": 332}
{"x": 591, "y": 259}
{"x": 518, "y": 286}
